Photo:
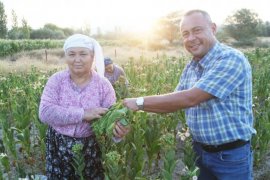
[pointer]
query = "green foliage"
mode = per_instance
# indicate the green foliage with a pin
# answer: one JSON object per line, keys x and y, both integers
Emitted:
{"x": 261, "y": 102}
{"x": 3, "y": 22}
{"x": 14, "y": 19}
{"x": 13, "y": 33}
{"x": 9, "y": 47}
{"x": 51, "y": 26}
{"x": 169, "y": 165}
{"x": 121, "y": 88}
{"x": 78, "y": 160}
{"x": 113, "y": 165}
{"x": 25, "y": 29}
{"x": 22, "y": 32}
{"x": 5, "y": 161}
{"x": 151, "y": 140}
{"x": 45, "y": 33}
{"x": 51, "y": 31}
{"x": 222, "y": 35}
{"x": 105, "y": 125}
{"x": 68, "y": 31}
{"x": 242, "y": 26}
{"x": 23, "y": 134}
{"x": 191, "y": 169}
{"x": 167, "y": 142}
{"x": 263, "y": 29}
{"x": 245, "y": 42}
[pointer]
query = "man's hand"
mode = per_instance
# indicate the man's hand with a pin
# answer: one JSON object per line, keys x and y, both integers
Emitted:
{"x": 91, "y": 114}
{"x": 131, "y": 104}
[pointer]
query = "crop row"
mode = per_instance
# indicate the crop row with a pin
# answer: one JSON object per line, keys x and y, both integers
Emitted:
{"x": 10, "y": 47}
{"x": 149, "y": 150}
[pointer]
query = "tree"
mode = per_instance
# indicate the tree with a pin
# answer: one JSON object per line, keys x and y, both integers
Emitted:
{"x": 14, "y": 32}
{"x": 46, "y": 33}
{"x": 267, "y": 28}
{"x": 3, "y": 21}
{"x": 51, "y": 26}
{"x": 14, "y": 20}
{"x": 264, "y": 29}
{"x": 242, "y": 26}
{"x": 42, "y": 33}
{"x": 50, "y": 31}
{"x": 68, "y": 31}
{"x": 25, "y": 30}
{"x": 57, "y": 32}
{"x": 19, "y": 32}
{"x": 168, "y": 26}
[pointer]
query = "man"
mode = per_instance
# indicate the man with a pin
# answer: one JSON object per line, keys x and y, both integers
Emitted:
{"x": 215, "y": 89}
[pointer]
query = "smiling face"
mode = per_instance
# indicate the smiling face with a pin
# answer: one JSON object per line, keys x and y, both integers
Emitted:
{"x": 198, "y": 33}
{"x": 109, "y": 68}
{"x": 79, "y": 60}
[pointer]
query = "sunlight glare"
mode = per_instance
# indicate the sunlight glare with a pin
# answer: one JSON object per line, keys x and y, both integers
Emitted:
{"x": 134, "y": 16}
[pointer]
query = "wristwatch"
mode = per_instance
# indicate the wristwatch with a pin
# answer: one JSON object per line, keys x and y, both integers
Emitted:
{"x": 139, "y": 102}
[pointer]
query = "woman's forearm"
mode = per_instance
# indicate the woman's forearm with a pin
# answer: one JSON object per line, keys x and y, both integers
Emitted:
{"x": 57, "y": 115}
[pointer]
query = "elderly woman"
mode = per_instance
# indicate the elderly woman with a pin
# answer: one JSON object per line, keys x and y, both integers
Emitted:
{"x": 70, "y": 101}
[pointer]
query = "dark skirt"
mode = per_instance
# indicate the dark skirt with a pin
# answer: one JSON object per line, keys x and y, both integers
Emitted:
{"x": 59, "y": 157}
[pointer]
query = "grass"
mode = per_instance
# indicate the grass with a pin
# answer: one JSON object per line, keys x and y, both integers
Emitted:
{"x": 23, "y": 61}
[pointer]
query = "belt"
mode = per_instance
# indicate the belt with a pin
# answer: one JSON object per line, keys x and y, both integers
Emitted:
{"x": 223, "y": 147}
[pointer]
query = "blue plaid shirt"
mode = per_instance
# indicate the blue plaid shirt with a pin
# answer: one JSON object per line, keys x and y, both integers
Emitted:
{"x": 226, "y": 74}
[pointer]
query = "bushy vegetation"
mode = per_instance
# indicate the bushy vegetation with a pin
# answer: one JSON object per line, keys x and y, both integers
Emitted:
{"x": 149, "y": 150}
{"x": 10, "y": 47}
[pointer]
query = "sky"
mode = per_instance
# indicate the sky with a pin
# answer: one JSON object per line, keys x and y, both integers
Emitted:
{"x": 129, "y": 15}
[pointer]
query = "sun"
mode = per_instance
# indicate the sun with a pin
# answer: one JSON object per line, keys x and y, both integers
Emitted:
{"x": 134, "y": 16}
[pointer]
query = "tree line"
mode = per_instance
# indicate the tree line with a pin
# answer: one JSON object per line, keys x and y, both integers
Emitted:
{"x": 24, "y": 31}
{"x": 242, "y": 27}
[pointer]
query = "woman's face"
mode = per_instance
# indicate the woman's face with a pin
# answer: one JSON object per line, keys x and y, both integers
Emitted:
{"x": 79, "y": 60}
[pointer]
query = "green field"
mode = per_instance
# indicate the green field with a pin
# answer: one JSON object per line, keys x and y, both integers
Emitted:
{"x": 149, "y": 150}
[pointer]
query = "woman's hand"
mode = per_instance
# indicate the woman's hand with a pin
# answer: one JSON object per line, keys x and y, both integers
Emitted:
{"x": 91, "y": 114}
{"x": 120, "y": 131}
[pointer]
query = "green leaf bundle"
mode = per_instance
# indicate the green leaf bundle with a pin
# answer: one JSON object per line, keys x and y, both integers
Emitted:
{"x": 105, "y": 125}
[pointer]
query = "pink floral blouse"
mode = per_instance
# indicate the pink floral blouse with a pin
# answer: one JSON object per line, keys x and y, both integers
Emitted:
{"x": 62, "y": 102}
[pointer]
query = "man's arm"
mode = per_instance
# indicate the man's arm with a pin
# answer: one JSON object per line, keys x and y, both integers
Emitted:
{"x": 170, "y": 102}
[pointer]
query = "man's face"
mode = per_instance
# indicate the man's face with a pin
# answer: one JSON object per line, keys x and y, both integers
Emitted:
{"x": 198, "y": 35}
{"x": 109, "y": 68}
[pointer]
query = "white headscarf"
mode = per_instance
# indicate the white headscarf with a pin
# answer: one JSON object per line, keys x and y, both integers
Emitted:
{"x": 80, "y": 40}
